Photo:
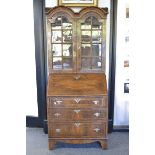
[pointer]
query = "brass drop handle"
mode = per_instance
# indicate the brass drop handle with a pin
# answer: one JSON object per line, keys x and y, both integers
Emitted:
{"x": 77, "y": 77}
{"x": 97, "y": 129}
{"x": 77, "y": 110}
{"x": 97, "y": 114}
{"x": 77, "y": 100}
{"x": 57, "y": 102}
{"x": 57, "y": 114}
{"x": 77, "y": 124}
{"x": 58, "y": 130}
{"x": 96, "y": 102}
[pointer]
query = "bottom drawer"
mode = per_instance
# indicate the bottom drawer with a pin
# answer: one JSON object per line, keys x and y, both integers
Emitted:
{"x": 77, "y": 130}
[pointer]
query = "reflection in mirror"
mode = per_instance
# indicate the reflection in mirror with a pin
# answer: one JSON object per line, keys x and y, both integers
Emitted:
{"x": 67, "y": 36}
{"x": 96, "y": 36}
{"x": 56, "y": 36}
{"x": 85, "y": 49}
{"x": 56, "y": 49}
{"x": 67, "y": 63}
{"x": 103, "y": 47}
{"x": 85, "y": 63}
{"x": 57, "y": 23}
{"x": 86, "y": 36}
{"x": 96, "y": 49}
{"x": 88, "y": 20}
{"x": 96, "y": 24}
{"x": 57, "y": 63}
{"x": 86, "y": 24}
{"x": 66, "y": 24}
{"x": 67, "y": 49}
{"x": 96, "y": 63}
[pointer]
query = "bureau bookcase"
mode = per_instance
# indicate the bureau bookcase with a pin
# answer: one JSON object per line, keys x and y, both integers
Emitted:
{"x": 77, "y": 103}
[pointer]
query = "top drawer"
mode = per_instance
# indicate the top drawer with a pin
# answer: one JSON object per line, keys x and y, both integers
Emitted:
{"x": 93, "y": 102}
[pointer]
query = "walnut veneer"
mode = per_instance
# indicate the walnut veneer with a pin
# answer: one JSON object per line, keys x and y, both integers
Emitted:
{"x": 77, "y": 103}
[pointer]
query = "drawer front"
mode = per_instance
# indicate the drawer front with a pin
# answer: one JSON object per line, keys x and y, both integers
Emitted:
{"x": 77, "y": 102}
{"x": 77, "y": 130}
{"x": 73, "y": 114}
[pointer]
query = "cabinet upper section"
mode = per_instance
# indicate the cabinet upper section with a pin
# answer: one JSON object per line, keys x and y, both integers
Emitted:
{"x": 76, "y": 41}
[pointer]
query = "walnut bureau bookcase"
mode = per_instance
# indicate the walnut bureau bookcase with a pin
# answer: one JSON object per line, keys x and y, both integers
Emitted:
{"x": 77, "y": 103}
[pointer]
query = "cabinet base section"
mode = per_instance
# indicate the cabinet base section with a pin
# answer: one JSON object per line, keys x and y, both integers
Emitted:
{"x": 52, "y": 142}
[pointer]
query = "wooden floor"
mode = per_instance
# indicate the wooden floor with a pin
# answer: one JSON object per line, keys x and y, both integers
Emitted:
{"x": 37, "y": 144}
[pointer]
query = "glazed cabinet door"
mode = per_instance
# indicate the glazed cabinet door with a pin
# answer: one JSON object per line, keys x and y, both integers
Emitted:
{"x": 92, "y": 43}
{"x": 61, "y": 43}
{"x": 76, "y": 41}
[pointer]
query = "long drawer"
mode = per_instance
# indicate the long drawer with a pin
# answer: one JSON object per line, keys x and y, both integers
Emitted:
{"x": 77, "y": 130}
{"x": 77, "y": 102}
{"x": 72, "y": 114}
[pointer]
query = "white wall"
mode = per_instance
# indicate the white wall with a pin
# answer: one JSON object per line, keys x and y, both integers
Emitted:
{"x": 121, "y": 103}
{"x": 32, "y": 106}
{"x": 50, "y": 3}
{"x": 101, "y": 3}
{"x": 17, "y": 73}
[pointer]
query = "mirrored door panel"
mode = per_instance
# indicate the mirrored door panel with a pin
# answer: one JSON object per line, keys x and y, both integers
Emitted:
{"x": 61, "y": 53}
{"x": 92, "y": 47}
{"x": 77, "y": 41}
{"x": 67, "y": 36}
{"x": 96, "y": 50}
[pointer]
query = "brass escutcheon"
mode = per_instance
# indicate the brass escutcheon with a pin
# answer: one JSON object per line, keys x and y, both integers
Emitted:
{"x": 77, "y": 77}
